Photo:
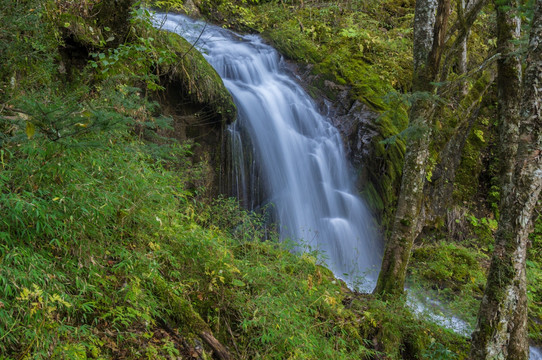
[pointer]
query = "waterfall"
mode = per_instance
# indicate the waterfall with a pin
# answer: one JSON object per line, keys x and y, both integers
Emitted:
{"x": 299, "y": 154}
{"x": 281, "y": 143}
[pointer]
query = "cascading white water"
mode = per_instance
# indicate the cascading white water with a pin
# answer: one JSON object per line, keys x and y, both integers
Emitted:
{"x": 300, "y": 154}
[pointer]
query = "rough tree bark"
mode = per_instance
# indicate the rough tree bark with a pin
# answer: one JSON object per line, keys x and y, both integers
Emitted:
{"x": 501, "y": 327}
{"x": 430, "y": 23}
{"x": 462, "y": 59}
{"x": 509, "y": 86}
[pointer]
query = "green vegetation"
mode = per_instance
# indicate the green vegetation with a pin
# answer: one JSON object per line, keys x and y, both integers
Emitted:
{"x": 447, "y": 272}
{"x": 367, "y": 48}
{"x": 108, "y": 248}
{"x": 534, "y": 276}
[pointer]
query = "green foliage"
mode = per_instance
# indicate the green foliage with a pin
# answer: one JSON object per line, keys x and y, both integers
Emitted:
{"x": 106, "y": 248}
{"x": 451, "y": 273}
{"x": 70, "y": 216}
{"x": 169, "y": 5}
{"x": 27, "y": 47}
{"x": 291, "y": 42}
{"x": 436, "y": 351}
{"x": 534, "y": 279}
{"x": 345, "y": 44}
{"x": 233, "y": 14}
{"x": 58, "y": 115}
{"x": 136, "y": 59}
{"x": 93, "y": 237}
{"x": 401, "y": 334}
{"x": 484, "y": 230}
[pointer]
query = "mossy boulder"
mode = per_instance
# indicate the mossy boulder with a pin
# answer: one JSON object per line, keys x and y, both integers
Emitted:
{"x": 79, "y": 30}
{"x": 88, "y": 22}
{"x": 195, "y": 79}
{"x": 200, "y": 105}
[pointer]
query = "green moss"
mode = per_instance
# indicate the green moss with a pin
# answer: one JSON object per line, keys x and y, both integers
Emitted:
{"x": 399, "y": 334}
{"x": 83, "y": 31}
{"x": 181, "y": 309}
{"x": 197, "y": 78}
{"x": 451, "y": 273}
{"x": 466, "y": 185}
{"x": 448, "y": 265}
{"x": 534, "y": 282}
{"x": 373, "y": 198}
{"x": 288, "y": 40}
{"x": 386, "y": 177}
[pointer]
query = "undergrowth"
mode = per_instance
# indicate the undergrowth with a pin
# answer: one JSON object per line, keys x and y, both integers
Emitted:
{"x": 101, "y": 246}
{"x": 107, "y": 248}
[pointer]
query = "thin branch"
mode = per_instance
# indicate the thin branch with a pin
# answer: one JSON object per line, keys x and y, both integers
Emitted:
{"x": 195, "y": 42}
{"x": 470, "y": 17}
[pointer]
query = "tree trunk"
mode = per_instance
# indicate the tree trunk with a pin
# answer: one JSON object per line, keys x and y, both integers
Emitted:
{"x": 462, "y": 59}
{"x": 430, "y": 22}
{"x": 501, "y": 327}
{"x": 509, "y": 87}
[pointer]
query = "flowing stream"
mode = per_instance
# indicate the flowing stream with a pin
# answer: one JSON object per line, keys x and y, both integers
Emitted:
{"x": 299, "y": 154}
{"x": 281, "y": 143}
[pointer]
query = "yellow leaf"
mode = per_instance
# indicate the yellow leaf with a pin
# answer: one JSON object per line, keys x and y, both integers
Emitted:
{"x": 30, "y": 130}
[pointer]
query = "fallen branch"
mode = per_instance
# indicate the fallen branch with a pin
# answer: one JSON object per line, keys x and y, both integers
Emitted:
{"x": 185, "y": 313}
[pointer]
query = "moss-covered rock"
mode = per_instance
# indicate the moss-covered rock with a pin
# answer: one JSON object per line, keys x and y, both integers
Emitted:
{"x": 200, "y": 105}
{"x": 196, "y": 79}
{"x": 87, "y": 23}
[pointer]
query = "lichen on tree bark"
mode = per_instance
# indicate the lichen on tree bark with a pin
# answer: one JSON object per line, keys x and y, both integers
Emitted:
{"x": 501, "y": 332}
{"x": 430, "y": 25}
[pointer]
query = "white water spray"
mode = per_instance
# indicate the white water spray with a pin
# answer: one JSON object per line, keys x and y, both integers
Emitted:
{"x": 299, "y": 152}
